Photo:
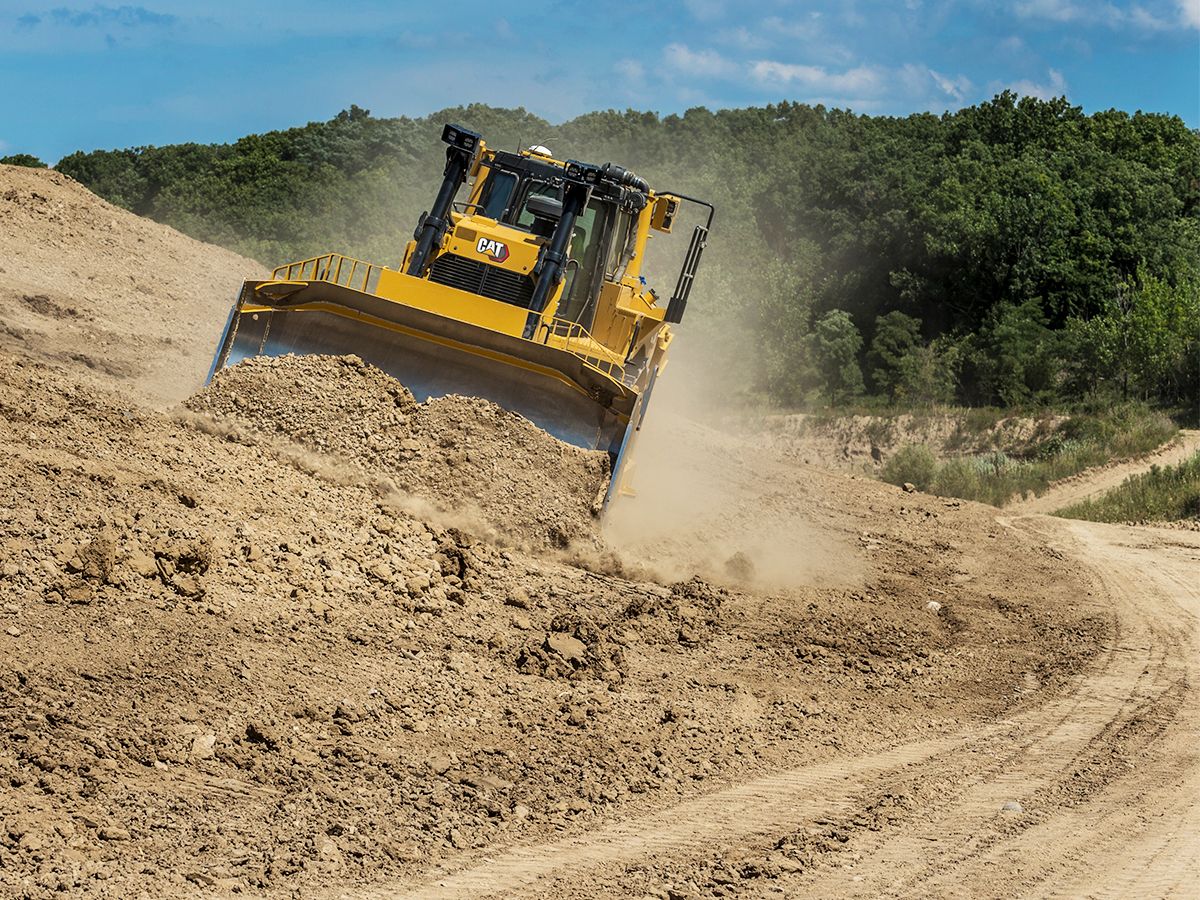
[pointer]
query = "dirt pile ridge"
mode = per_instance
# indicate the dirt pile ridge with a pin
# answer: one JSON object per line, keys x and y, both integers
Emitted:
{"x": 476, "y": 464}
{"x": 93, "y": 288}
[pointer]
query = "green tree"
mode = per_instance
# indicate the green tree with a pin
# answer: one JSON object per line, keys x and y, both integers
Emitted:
{"x": 1015, "y": 356}
{"x": 896, "y": 337}
{"x": 1145, "y": 343}
{"x": 836, "y": 343}
{"x": 929, "y": 373}
{"x": 22, "y": 159}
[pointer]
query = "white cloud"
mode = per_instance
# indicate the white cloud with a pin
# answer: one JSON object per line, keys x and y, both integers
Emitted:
{"x": 1054, "y": 10}
{"x": 631, "y": 70}
{"x": 1139, "y": 16}
{"x": 865, "y": 87}
{"x": 807, "y": 36}
{"x": 705, "y": 10}
{"x": 859, "y": 80}
{"x": 1189, "y": 13}
{"x": 1055, "y": 87}
{"x": 707, "y": 63}
{"x": 955, "y": 88}
{"x": 797, "y": 29}
{"x": 743, "y": 38}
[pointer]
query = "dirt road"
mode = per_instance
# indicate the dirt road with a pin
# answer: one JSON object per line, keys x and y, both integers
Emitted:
{"x": 1093, "y": 793}
{"x": 1094, "y": 482}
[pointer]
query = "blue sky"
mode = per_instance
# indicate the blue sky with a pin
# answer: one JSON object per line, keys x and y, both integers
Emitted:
{"x": 86, "y": 76}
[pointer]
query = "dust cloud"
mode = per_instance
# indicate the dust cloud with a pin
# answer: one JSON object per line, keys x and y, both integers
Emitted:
{"x": 711, "y": 502}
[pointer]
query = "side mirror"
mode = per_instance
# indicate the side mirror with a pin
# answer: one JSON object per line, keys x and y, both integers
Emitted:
{"x": 663, "y": 216}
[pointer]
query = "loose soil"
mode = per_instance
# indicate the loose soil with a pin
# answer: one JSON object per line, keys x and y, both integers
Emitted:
{"x": 471, "y": 462}
{"x": 238, "y": 655}
{"x": 105, "y": 294}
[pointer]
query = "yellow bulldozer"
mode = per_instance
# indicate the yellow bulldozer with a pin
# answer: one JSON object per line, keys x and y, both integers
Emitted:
{"x": 529, "y": 293}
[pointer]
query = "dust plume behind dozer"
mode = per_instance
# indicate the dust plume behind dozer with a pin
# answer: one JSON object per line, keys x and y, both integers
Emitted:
{"x": 528, "y": 293}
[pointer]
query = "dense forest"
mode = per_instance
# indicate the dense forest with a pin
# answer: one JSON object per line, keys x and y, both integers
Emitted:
{"x": 1014, "y": 253}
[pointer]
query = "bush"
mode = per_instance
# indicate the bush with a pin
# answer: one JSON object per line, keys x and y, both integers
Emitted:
{"x": 914, "y": 463}
{"x": 27, "y": 160}
{"x": 1083, "y": 441}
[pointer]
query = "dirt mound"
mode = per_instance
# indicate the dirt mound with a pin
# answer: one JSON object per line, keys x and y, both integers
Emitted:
{"x": 489, "y": 467}
{"x": 107, "y": 294}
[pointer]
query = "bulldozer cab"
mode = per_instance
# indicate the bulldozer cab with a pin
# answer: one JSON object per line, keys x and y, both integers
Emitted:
{"x": 528, "y": 292}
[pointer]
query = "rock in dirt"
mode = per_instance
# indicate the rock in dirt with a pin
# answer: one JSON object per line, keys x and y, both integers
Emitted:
{"x": 567, "y": 647}
{"x": 575, "y": 648}
{"x": 202, "y": 746}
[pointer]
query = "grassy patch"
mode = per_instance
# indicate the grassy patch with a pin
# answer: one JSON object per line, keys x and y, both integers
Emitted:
{"x": 1083, "y": 441}
{"x": 1164, "y": 494}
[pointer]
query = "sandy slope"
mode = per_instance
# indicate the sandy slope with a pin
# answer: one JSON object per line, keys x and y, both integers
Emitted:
{"x": 101, "y": 292}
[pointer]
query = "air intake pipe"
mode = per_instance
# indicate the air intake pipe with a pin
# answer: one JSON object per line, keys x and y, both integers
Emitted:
{"x": 624, "y": 177}
{"x": 549, "y": 270}
{"x": 435, "y": 223}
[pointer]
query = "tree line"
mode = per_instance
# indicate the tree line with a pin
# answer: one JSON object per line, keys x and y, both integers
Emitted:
{"x": 1017, "y": 252}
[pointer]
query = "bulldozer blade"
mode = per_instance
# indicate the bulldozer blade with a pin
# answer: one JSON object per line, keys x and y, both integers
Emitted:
{"x": 432, "y": 355}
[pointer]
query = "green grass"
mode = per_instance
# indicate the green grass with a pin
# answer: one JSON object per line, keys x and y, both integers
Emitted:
{"x": 1164, "y": 494}
{"x": 1083, "y": 441}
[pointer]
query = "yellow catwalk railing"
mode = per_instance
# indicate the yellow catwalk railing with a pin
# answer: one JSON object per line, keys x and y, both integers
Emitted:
{"x": 334, "y": 268}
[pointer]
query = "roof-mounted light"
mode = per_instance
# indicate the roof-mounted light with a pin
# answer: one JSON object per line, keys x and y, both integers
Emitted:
{"x": 462, "y": 138}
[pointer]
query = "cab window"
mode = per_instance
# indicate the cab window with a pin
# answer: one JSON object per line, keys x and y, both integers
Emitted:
{"x": 586, "y": 253}
{"x": 617, "y": 257}
{"x": 496, "y": 193}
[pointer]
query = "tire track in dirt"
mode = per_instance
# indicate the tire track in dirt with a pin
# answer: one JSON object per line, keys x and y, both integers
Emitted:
{"x": 1142, "y": 837}
{"x": 762, "y": 806}
{"x": 1134, "y": 835}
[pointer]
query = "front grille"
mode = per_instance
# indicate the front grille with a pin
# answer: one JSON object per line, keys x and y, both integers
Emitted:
{"x": 480, "y": 278}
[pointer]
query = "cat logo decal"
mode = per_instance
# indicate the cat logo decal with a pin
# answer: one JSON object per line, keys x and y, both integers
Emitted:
{"x": 496, "y": 251}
